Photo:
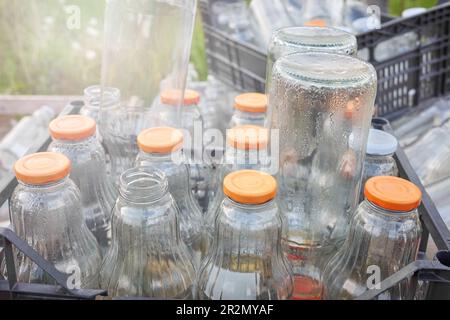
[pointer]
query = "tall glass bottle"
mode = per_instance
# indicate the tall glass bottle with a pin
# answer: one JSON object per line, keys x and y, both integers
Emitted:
{"x": 147, "y": 257}
{"x": 74, "y": 136}
{"x": 246, "y": 260}
{"x": 384, "y": 237}
{"x": 249, "y": 109}
{"x": 161, "y": 148}
{"x": 46, "y": 212}
{"x": 147, "y": 48}
{"x": 317, "y": 102}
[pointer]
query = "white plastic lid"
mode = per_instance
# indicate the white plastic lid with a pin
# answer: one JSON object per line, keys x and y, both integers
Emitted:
{"x": 381, "y": 143}
{"x": 413, "y": 12}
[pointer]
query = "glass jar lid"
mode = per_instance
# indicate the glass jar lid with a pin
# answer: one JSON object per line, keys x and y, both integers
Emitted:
{"x": 250, "y": 187}
{"x": 393, "y": 193}
{"x": 42, "y": 168}
{"x": 381, "y": 143}
{"x": 251, "y": 102}
{"x": 172, "y": 97}
{"x": 248, "y": 137}
{"x": 161, "y": 140}
{"x": 72, "y": 127}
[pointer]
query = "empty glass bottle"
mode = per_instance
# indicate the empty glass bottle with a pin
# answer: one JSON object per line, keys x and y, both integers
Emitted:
{"x": 46, "y": 212}
{"x": 308, "y": 39}
{"x": 249, "y": 109}
{"x": 246, "y": 149}
{"x": 379, "y": 161}
{"x": 246, "y": 260}
{"x": 74, "y": 136}
{"x": 161, "y": 148}
{"x": 384, "y": 237}
{"x": 94, "y": 96}
{"x": 147, "y": 257}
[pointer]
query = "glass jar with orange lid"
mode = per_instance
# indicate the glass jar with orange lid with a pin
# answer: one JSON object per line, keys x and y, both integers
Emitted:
{"x": 249, "y": 109}
{"x": 246, "y": 260}
{"x": 384, "y": 237}
{"x": 75, "y": 137}
{"x": 246, "y": 149}
{"x": 161, "y": 147}
{"x": 46, "y": 212}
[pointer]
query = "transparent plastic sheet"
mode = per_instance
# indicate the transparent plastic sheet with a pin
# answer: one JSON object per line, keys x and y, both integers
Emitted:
{"x": 147, "y": 47}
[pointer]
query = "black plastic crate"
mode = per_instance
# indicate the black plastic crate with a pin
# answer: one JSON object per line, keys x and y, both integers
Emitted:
{"x": 405, "y": 80}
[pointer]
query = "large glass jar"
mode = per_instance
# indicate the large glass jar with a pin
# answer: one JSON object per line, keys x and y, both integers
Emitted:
{"x": 317, "y": 102}
{"x": 147, "y": 257}
{"x": 384, "y": 237}
{"x": 46, "y": 212}
{"x": 146, "y": 51}
{"x": 249, "y": 109}
{"x": 290, "y": 40}
{"x": 379, "y": 161}
{"x": 74, "y": 136}
{"x": 246, "y": 149}
{"x": 161, "y": 148}
{"x": 246, "y": 260}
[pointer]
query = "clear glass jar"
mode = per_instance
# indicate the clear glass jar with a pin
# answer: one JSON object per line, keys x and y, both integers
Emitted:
{"x": 246, "y": 149}
{"x": 384, "y": 237}
{"x": 46, "y": 212}
{"x": 74, "y": 136}
{"x": 246, "y": 259}
{"x": 147, "y": 47}
{"x": 161, "y": 148}
{"x": 308, "y": 39}
{"x": 249, "y": 109}
{"x": 147, "y": 257}
{"x": 379, "y": 161}
{"x": 317, "y": 102}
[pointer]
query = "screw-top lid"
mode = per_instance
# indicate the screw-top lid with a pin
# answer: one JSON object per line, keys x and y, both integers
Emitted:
{"x": 315, "y": 23}
{"x": 74, "y": 127}
{"x": 160, "y": 140}
{"x": 42, "y": 168}
{"x": 248, "y": 137}
{"x": 381, "y": 143}
{"x": 172, "y": 97}
{"x": 251, "y": 102}
{"x": 393, "y": 193}
{"x": 250, "y": 187}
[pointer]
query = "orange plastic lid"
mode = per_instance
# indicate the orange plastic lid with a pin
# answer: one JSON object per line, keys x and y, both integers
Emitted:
{"x": 248, "y": 137}
{"x": 73, "y": 127}
{"x": 316, "y": 23}
{"x": 250, "y": 187}
{"x": 251, "y": 102}
{"x": 393, "y": 193}
{"x": 172, "y": 97}
{"x": 42, "y": 168}
{"x": 160, "y": 140}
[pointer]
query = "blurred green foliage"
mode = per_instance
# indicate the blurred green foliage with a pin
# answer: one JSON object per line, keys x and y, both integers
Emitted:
{"x": 396, "y": 7}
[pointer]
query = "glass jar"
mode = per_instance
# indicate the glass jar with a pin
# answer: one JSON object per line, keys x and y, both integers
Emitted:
{"x": 46, "y": 212}
{"x": 147, "y": 47}
{"x": 246, "y": 149}
{"x": 379, "y": 161}
{"x": 384, "y": 237}
{"x": 308, "y": 39}
{"x": 249, "y": 109}
{"x": 317, "y": 102}
{"x": 74, "y": 136}
{"x": 161, "y": 148}
{"x": 246, "y": 259}
{"x": 147, "y": 257}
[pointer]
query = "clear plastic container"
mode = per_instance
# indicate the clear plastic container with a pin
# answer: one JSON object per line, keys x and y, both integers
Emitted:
{"x": 384, "y": 237}
{"x": 246, "y": 149}
{"x": 308, "y": 39}
{"x": 74, "y": 136}
{"x": 147, "y": 48}
{"x": 246, "y": 260}
{"x": 161, "y": 148}
{"x": 430, "y": 154}
{"x": 46, "y": 212}
{"x": 249, "y": 109}
{"x": 317, "y": 102}
{"x": 232, "y": 17}
{"x": 28, "y": 133}
{"x": 147, "y": 257}
{"x": 379, "y": 160}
